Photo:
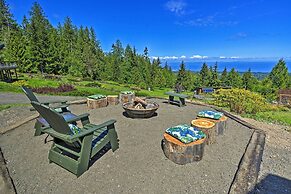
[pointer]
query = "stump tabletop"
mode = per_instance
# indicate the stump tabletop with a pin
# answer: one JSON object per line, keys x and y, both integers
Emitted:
{"x": 174, "y": 140}
{"x": 202, "y": 123}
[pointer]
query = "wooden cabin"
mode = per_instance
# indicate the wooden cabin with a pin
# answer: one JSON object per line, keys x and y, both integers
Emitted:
{"x": 284, "y": 96}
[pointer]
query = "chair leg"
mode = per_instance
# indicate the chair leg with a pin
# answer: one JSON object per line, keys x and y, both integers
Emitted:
{"x": 38, "y": 127}
{"x": 85, "y": 154}
{"x": 113, "y": 137}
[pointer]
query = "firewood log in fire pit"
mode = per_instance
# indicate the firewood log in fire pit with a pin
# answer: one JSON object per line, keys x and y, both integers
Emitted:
{"x": 139, "y": 108}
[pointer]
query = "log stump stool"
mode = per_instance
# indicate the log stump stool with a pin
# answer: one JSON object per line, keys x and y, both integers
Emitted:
{"x": 96, "y": 101}
{"x": 112, "y": 100}
{"x": 181, "y": 153}
{"x": 126, "y": 97}
{"x": 220, "y": 124}
{"x": 208, "y": 127}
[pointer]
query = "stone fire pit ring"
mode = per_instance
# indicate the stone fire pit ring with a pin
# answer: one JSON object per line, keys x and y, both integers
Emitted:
{"x": 139, "y": 113}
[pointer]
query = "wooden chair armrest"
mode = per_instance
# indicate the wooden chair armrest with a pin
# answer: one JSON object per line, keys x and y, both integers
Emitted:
{"x": 53, "y": 107}
{"x": 79, "y": 117}
{"x": 89, "y": 131}
{"x": 54, "y": 102}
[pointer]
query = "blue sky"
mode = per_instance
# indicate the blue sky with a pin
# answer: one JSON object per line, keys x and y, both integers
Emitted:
{"x": 180, "y": 28}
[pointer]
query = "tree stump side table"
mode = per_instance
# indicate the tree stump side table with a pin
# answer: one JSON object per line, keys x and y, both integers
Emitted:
{"x": 112, "y": 100}
{"x": 220, "y": 124}
{"x": 96, "y": 103}
{"x": 181, "y": 153}
{"x": 208, "y": 127}
{"x": 124, "y": 98}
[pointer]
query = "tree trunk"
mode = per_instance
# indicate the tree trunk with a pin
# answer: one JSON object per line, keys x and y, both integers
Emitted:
{"x": 181, "y": 153}
{"x": 208, "y": 127}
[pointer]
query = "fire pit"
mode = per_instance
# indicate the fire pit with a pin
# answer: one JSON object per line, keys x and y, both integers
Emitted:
{"x": 140, "y": 108}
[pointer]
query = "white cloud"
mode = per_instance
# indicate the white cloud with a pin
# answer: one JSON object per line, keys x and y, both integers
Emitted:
{"x": 222, "y": 57}
{"x": 235, "y": 57}
{"x": 198, "y": 57}
{"x": 183, "y": 57}
{"x": 176, "y": 6}
{"x": 169, "y": 57}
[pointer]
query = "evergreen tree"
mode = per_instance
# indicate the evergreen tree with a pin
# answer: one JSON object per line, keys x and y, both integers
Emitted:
{"x": 205, "y": 75}
{"x": 248, "y": 80}
{"x": 117, "y": 54}
{"x": 223, "y": 78}
{"x": 234, "y": 79}
{"x": 214, "y": 81}
{"x": 38, "y": 38}
{"x": 279, "y": 75}
{"x": 182, "y": 75}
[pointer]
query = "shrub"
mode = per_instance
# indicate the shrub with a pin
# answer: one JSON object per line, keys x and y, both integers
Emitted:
{"x": 20, "y": 83}
{"x": 48, "y": 89}
{"x": 241, "y": 101}
{"x": 135, "y": 88}
{"x": 93, "y": 84}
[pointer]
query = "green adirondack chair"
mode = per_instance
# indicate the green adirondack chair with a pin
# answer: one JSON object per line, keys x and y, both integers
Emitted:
{"x": 61, "y": 107}
{"x": 74, "y": 151}
{"x": 41, "y": 123}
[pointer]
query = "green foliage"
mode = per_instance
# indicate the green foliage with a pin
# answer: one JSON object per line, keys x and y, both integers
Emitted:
{"x": 240, "y": 101}
{"x": 4, "y": 106}
{"x": 234, "y": 79}
{"x": 205, "y": 75}
{"x": 280, "y": 117}
{"x": 279, "y": 75}
{"x": 20, "y": 83}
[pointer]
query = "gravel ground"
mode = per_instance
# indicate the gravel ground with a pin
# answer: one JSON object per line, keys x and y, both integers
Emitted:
{"x": 138, "y": 166}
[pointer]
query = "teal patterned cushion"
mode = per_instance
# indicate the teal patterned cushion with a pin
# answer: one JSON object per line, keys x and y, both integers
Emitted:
{"x": 185, "y": 133}
{"x": 210, "y": 114}
{"x": 127, "y": 92}
{"x": 97, "y": 96}
{"x": 74, "y": 129}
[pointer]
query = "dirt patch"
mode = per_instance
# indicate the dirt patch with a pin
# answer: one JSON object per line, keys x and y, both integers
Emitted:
{"x": 138, "y": 166}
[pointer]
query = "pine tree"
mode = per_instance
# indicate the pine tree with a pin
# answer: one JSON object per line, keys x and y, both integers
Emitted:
{"x": 182, "y": 75}
{"x": 214, "y": 81}
{"x": 205, "y": 75}
{"x": 279, "y": 75}
{"x": 38, "y": 38}
{"x": 223, "y": 78}
{"x": 234, "y": 79}
{"x": 248, "y": 80}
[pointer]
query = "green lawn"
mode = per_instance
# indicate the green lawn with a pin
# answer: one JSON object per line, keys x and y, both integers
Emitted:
{"x": 6, "y": 106}
{"x": 82, "y": 88}
{"x": 280, "y": 117}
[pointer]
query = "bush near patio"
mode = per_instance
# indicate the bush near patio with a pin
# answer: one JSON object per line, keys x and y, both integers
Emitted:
{"x": 241, "y": 101}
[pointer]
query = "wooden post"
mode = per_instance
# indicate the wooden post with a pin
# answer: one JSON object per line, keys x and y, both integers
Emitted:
{"x": 207, "y": 127}
{"x": 181, "y": 153}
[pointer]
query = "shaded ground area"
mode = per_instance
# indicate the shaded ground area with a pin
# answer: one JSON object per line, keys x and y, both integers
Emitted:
{"x": 138, "y": 166}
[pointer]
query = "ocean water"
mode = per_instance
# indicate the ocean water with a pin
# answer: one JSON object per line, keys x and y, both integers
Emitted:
{"x": 241, "y": 66}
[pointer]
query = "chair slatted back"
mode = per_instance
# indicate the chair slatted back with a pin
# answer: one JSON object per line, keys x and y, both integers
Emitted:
{"x": 55, "y": 120}
{"x": 29, "y": 94}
